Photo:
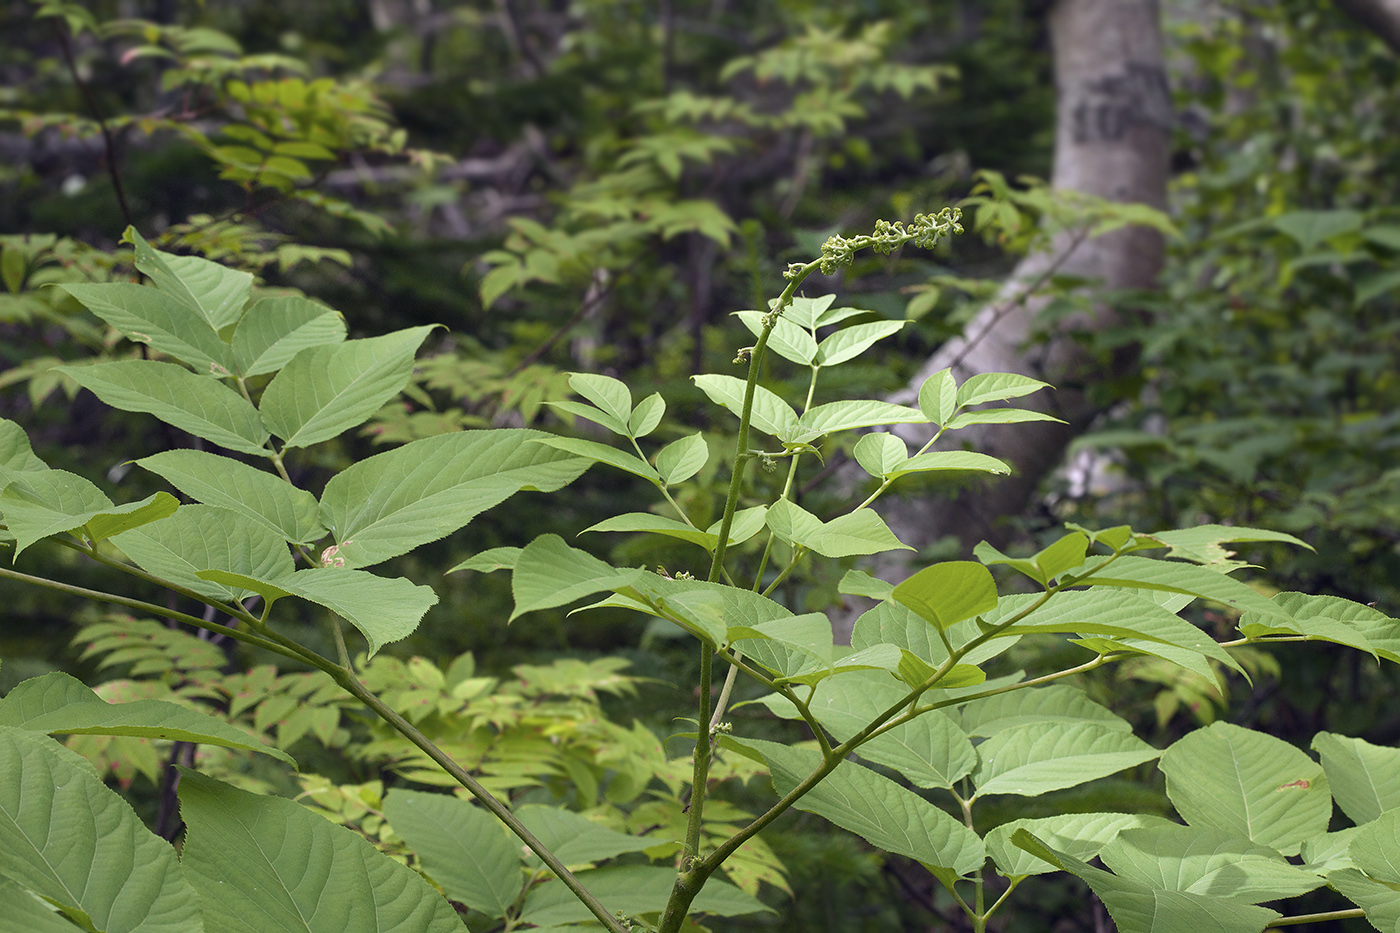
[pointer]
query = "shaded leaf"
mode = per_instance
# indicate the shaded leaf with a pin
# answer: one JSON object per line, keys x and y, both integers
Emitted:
{"x": 145, "y": 315}
{"x": 1081, "y": 835}
{"x": 1203, "y": 860}
{"x": 264, "y": 497}
{"x": 950, "y": 592}
{"x": 770, "y": 415}
{"x": 1036, "y": 758}
{"x": 206, "y": 537}
{"x": 1057, "y": 703}
{"x": 1364, "y": 778}
{"x": 276, "y": 329}
{"x": 215, "y": 292}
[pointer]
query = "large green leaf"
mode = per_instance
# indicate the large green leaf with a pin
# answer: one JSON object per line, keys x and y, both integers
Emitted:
{"x": 1035, "y": 758}
{"x": 37, "y": 505}
{"x": 1248, "y": 784}
{"x": 1376, "y": 848}
{"x": 1140, "y": 908}
{"x": 998, "y": 416}
{"x": 262, "y": 863}
{"x": 549, "y": 573}
{"x": 67, "y": 837}
{"x": 206, "y": 537}
{"x": 850, "y": 414}
{"x": 799, "y": 649}
{"x": 948, "y": 593}
{"x": 1329, "y": 618}
{"x": 939, "y": 460}
{"x": 328, "y": 389}
{"x": 384, "y": 609}
{"x": 1079, "y": 834}
{"x": 461, "y": 847}
{"x": 145, "y": 315}
{"x": 25, "y": 913}
{"x": 1381, "y": 902}
{"x": 576, "y": 839}
{"x": 891, "y": 623}
{"x": 59, "y": 704}
{"x": 390, "y": 503}
{"x": 1204, "y": 860}
{"x": 1310, "y": 228}
{"x": 204, "y": 407}
{"x": 770, "y": 415}
{"x": 679, "y": 460}
{"x": 215, "y": 292}
{"x": 1057, "y": 703}
{"x": 1178, "y": 577}
{"x": 631, "y": 890}
{"x": 264, "y": 497}
{"x": 886, "y": 815}
{"x": 851, "y": 342}
{"x": 855, "y": 533}
{"x": 930, "y": 751}
{"x": 1202, "y": 544}
{"x": 1364, "y": 778}
{"x": 997, "y": 387}
{"x": 276, "y": 329}
{"x": 880, "y": 453}
{"x": 16, "y": 456}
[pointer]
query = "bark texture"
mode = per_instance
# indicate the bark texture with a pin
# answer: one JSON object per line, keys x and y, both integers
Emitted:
{"x": 1113, "y": 119}
{"x": 1380, "y": 16}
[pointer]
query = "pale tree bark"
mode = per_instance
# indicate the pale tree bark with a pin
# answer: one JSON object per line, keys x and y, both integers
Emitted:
{"x": 1380, "y": 16}
{"x": 1113, "y": 118}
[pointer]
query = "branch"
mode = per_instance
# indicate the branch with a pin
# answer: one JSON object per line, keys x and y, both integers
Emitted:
{"x": 108, "y": 141}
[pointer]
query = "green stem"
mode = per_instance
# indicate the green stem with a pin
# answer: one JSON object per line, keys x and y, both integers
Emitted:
{"x": 701, "y": 774}
{"x": 1352, "y": 913}
{"x": 1002, "y": 900}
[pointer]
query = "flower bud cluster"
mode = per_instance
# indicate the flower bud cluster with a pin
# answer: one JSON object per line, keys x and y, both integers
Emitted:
{"x": 923, "y": 232}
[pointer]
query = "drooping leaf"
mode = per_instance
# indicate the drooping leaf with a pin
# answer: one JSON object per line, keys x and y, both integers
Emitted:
{"x": 1364, "y": 778}
{"x": 1178, "y": 577}
{"x": 204, "y": 407}
{"x": 1057, "y": 703}
{"x": 1329, "y": 618}
{"x": 574, "y": 838}
{"x": 325, "y": 390}
{"x": 390, "y": 503}
{"x": 1248, "y": 784}
{"x": 549, "y": 573}
{"x": 771, "y": 414}
{"x": 460, "y": 846}
{"x": 1139, "y": 908}
{"x": 206, "y": 537}
{"x": 145, "y": 315}
{"x": 657, "y": 524}
{"x": 263, "y": 863}
{"x": 998, "y": 416}
{"x": 1202, "y": 544}
{"x": 631, "y": 890}
{"x": 59, "y": 704}
{"x": 948, "y": 593}
{"x": 258, "y": 494}
{"x": 860, "y": 583}
{"x": 67, "y": 837}
{"x": 276, "y": 329}
{"x": 1204, "y": 860}
{"x": 858, "y": 532}
{"x": 16, "y": 456}
{"x": 1079, "y": 834}
{"x": 213, "y": 291}
{"x": 1035, "y": 758}
{"x": 882, "y": 812}
{"x": 490, "y": 560}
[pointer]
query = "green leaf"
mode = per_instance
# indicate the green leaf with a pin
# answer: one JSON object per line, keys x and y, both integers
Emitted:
{"x": 70, "y": 839}
{"x": 886, "y": 815}
{"x": 206, "y": 537}
{"x": 1375, "y": 285}
{"x": 947, "y": 593}
{"x": 13, "y": 268}
{"x": 262, "y": 863}
{"x": 602, "y": 453}
{"x": 895, "y": 624}
{"x": 631, "y": 890}
{"x": 951, "y": 460}
{"x": 276, "y": 329}
{"x": 216, "y": 293}
{"x": 1202, "y": 543}
{"x": 679, "y": 460}
{"x": 574, "y": 838}
{"x": 710, "y": 611}
{"x": 549, "y": 573}
{"x": 647, "y": 415}
{"x": 1364, "y": 778}
{"x": 1202, "y": 860}
{"x": 1376, "y": 848}
{"x": 930, "y": 751}
{"x": 1057, "y": 703}
{"x": 38, "y": 505}
{"x": 938, "y": 397}
{"x": 860, "y": 583}
{"x": 880, "y": 453}
{"x": 461, "y": 847}
{"x": 264, "y": 497}
{"x": 609, "y": 394}
{"x": 996, "y": 387}
{"x": 1328, "y": 852}
{"x": 788, "y": 645}
{"x": 24, "y": 911}
{"x": 747, "y": 523}
{"x": 1310, "y": 228}
{"x": 851, "y": 342}
{"x": 1329, "y": 618}
{"x": 1381, "y": 902}
{"x": 325, "y": 390}
{"x": 16, "y": 456}
{"x": 999, "y": 416}
{"x": 858, "y": 532}
{"x": 1139, "y": 908}
{"x": 1248, "y": 784}
{"x": 1079, "y": 834}
{"x": 788, "y": 340}
{"x": 144, "y": 315}
{"x": 490, "y": 560}
{"x": 389, "y": 504}
{"x": 204, "y": 407}
{"x": 598, "y": 417}
{"x": 1033, "y": 759}
{"x": 1178, "y": 577}
{"x": 771, "y": 414}
{"x": 58, "y": 704}
{"x": 656, "y": 524}
{"x": 854, "y": 413}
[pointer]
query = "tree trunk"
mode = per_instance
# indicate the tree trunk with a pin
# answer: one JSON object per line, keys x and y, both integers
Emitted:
{"x": 1380, "y": 16}
{"x": 1111, "y": 140}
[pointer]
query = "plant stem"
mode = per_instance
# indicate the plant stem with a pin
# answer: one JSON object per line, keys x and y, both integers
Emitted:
{"x": 700, "y": 775}
{"x": 109, "y": 142}
{"x": 1348, "y": 914}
